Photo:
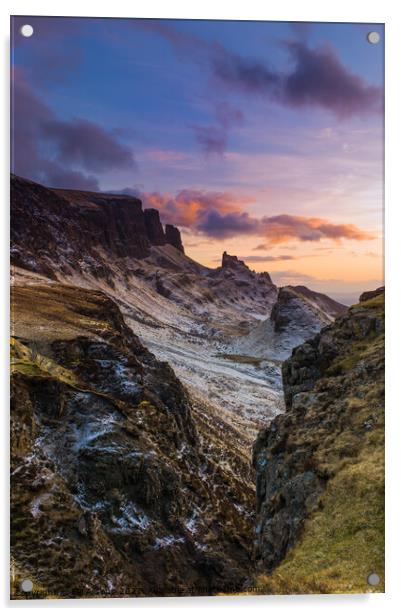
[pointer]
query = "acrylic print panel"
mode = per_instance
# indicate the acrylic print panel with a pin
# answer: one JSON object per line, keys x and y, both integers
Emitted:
{"x": 197, "y": 308}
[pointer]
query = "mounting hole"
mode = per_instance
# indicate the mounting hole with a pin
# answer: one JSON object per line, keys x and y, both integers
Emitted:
{"x": 373, "y": 38}
{"x": 373, "y": 579}
{"x": 26, "y": 30}
{"x": 26, "y": 585}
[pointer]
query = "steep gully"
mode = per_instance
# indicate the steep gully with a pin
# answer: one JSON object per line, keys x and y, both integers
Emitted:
{"x": 103, "y": 297}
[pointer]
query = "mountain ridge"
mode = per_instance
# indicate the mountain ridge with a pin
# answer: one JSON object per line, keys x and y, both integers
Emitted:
{"x": 205, "y": 322}
{"x": 89, "y": 220}
{"x": 126, "y": 340}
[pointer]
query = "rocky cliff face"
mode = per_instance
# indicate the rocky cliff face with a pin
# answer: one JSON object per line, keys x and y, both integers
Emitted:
{"x": 154, "y": 227}
{"x": 80, "y": 231}
{"x": 233, "y": 263}
{"x": 236, "y": 283}
{"x": 173, "y": 237}
{"x": 63, "y": 234}
{"x": 110, "y": 481}
{"x": 297, "y": 314}
{"x": 319, "y": 466}
{"x": 299, "y": 308}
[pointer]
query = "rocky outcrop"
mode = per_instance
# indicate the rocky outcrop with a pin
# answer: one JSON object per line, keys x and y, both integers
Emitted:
{"x": 109, "y": 478}
{"x": 321, "y": 301}
{"x": 154, "y": 228}
{"x": 173, "y": 237}
{"x": 236, "y": 283}
{"x": 297, "y": 314}
{"x": 319, "y": 466}
{"x": 224, "y": 297}
{"x": 371, "y": 294}
{"x": 74, "y": 230}
{"x": 299, "y": 308}
{"x": 310, "y": 362}
{"x": 233, "y": 263}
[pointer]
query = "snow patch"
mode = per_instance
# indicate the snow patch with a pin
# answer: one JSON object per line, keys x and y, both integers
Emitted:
{"x": 167, "y": 541}
{"x": 130, "y": 518}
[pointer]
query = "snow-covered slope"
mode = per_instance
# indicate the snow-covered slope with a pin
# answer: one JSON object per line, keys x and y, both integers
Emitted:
{"x": 223, "y": 330}
{"x": 297, "y": 315}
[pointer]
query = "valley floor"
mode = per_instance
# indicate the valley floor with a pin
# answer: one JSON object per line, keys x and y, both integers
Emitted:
{"x": 244, "y": 391}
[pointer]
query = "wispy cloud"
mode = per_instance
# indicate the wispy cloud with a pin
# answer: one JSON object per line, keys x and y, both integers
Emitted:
{"x": 213, "y": 139}
{"x": 267, "y": 258}
{"x": 277, "y": 229}
{"x": 284, "y": 227}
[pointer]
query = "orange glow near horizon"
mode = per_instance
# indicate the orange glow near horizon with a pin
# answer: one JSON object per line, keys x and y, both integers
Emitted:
{"x": 327, "y": 266}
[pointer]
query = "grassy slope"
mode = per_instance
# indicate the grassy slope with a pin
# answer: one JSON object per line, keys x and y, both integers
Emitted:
{"x": 343, "y": 542}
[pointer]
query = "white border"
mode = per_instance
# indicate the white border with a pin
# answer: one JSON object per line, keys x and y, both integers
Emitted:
{"x": 378, "y": 11}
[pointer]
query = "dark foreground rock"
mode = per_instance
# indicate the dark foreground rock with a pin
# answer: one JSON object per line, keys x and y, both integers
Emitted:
{"x": 112, "y": 494}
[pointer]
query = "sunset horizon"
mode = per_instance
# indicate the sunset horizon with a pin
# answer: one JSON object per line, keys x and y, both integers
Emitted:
{"x": 267, "y": 146}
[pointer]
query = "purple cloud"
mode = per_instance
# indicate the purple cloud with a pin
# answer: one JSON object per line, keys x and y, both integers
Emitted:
{"x": 317, "y": 77}
{"x": 222, "y": 226}
{"x": 56, "y": 152}
{"x": 276, "y": 229}
{"x": 221, "y": 215}
{"x": 320, "y": 79}
{"x": 245, "y": 74}
{"x": 87, "y": 144}
{"x": 214, "y": 139}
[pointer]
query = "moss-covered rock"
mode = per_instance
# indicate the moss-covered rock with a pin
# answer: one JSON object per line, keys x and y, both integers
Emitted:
{"x": 320, "y": 465}
{"x": 112, "y": 492}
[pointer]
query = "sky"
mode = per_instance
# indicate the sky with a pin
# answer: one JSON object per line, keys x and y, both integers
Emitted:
{"x": 264, "y": 139}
